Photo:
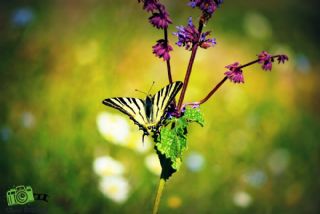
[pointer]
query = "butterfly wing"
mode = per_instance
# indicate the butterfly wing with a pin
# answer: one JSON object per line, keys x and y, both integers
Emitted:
{"x": 136, "y": 108}
{"x": 162, "y": 99}
{"x": 133, "y": 107}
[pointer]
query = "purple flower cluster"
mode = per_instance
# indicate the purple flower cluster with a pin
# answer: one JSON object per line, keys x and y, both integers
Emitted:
{"x": 267, "y": 59}
{"x": 189, "y": 35}
{"x": 162, "y": 49}
{"x": 149, "y": 5}
{"x": 160, "y": 17}
{"x": 161, "y": 20}
{"x": 208, "y": 7}
{"x": 234, "y": 73}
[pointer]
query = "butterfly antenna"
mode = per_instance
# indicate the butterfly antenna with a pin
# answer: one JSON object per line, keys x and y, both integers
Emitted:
{"x": 141, "y": 92}
{"x": 151, "y": 87}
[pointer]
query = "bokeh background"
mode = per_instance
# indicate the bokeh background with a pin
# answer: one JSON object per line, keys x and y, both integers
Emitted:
{"x": 257, "y": 153}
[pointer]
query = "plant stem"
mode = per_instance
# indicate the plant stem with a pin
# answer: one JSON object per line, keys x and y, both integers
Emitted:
{"x": 220, "y": 84}
{"x": 168, "y": 61}
{"x": 255, "y": 61}
{"x": 213, "y": 90}
{"x": 169, "y": 71}
{"x": 158, "y": 196}
{"x": 187, "y": 76}
{"x": 222, "y": 81}
{"x": 249, "y": 63}
{"x": 189, "y": 69}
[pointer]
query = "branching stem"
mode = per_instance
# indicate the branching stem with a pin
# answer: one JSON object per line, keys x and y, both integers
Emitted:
{"x": 221, "y": 82}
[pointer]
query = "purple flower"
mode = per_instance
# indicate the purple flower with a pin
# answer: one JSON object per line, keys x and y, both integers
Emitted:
{"x": 149, "y": 5}
{"x": 187, "y": 36}
{"x": 282, "y": 58}
{"x": 206, "y": 43}
{"x": 266, "y": 60}
{"x": 234, "y": 73}
{"x": 162, "y": 49}
{"x": 207, "y": 6}
{"x": 160, "y": 19}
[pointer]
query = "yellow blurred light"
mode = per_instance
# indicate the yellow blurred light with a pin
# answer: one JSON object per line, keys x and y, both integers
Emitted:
{"x": 174, "y": 202}
{"x": 153, "y": 164}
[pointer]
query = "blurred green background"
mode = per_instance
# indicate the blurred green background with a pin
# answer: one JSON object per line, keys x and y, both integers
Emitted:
{"x": 257, "y": 152}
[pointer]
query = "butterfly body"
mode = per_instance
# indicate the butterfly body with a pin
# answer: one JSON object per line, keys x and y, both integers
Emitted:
{"x": 150, "y": 113}
{"x": 148, "y": 107}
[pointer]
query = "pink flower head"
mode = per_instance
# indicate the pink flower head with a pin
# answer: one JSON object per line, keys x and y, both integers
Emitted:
{"x": 266, "y": 60}
{"x": 234, "y": 73}
{"x": 162, "y": 49}
{"x": 149, "y": 5}
{"x": 160, "y": 19}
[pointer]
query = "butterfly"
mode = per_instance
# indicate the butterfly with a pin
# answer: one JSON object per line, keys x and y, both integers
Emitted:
{"x": 148, "y": 114}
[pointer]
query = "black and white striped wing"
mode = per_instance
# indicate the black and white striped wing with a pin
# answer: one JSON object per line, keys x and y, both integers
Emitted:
{"x": 133, "y": 107}
{"x": 162, "y": 99}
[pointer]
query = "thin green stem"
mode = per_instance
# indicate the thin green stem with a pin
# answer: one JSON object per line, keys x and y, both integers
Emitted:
{"x": 158, "y": 196}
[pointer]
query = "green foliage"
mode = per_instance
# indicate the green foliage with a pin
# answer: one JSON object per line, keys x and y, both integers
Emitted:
{"x": 194, "y": 115}
{"x": 172, "y": 140}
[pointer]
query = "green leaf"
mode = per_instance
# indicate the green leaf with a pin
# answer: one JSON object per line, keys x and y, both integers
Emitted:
{"x": 194, "y": 115}
{"x": 172, "y": 140}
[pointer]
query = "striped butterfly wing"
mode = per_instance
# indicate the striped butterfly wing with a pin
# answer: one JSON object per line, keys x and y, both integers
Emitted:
{"x": 133, "y": 107}
{"x": 162, "y": 99}
{"x": 137, "y": 109}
